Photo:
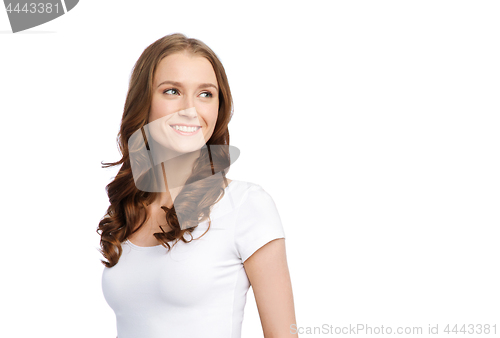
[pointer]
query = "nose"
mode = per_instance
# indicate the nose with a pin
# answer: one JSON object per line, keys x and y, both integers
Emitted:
{"x": 187, "y": 101}
{"x": 190, "y": 112}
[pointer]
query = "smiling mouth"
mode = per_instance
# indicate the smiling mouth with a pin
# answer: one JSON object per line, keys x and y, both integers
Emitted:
{"x": 185, "y": 130}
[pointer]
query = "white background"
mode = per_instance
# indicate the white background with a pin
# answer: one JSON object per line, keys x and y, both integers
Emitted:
{"x": 374, "y": 125}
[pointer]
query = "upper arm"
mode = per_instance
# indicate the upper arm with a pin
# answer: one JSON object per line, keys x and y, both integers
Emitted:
{"x": 267, "y": 271}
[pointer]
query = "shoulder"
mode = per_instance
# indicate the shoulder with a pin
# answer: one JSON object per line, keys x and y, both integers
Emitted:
{"x": 244, "y": 191}
{"x": 257, "y": 221}
{"x": 254, "y": 201}
{"x": 236, "y": 194}
{"x": 244, "y": 199}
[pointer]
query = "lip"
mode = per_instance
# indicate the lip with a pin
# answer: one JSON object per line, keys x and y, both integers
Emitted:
{"x": 184, "y": 133}
{"x": 184, "y": 125}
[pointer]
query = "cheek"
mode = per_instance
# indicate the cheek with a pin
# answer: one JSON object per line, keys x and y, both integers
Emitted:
{"x": 213, "y": 121}
{"x": 214, "y": 113}
{"x": 160, "y": 109}
{"x": 208, "y": 113}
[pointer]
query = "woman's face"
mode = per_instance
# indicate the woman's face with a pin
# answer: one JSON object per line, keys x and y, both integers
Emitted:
{"x": 185, "y": 97}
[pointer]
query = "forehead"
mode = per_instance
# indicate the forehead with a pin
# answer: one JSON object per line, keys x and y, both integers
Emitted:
{"x": 185, "y": 68}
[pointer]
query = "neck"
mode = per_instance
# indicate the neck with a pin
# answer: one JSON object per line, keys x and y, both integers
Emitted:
{"x": 175, "y": 173}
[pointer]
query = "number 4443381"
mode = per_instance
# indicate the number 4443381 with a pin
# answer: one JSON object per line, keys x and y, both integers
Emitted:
{"x": 471, "y": 329}
{"x": 34, "y": 8}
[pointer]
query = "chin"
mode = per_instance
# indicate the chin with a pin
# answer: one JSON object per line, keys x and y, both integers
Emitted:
{"x": 185, "y": 150}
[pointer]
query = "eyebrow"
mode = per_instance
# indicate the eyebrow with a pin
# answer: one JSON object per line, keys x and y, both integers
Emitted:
{"x": 178, "y": 84}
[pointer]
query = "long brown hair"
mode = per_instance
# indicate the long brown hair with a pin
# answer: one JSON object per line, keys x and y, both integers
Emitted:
{"x": 127, "y": 203}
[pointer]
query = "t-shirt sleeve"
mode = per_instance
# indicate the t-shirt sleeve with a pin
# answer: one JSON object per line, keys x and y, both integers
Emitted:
{"x": 257, "y": 222}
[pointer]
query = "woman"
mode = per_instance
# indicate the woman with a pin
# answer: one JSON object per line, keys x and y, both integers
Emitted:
{"x": 182, "y": 242}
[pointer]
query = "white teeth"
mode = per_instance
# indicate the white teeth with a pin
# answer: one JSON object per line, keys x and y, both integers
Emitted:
{"x": 186, "y": 129}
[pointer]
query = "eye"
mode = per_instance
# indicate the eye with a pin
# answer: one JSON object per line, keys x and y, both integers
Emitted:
{"x": 170, "y": 90}
{"x": 209, "y": 94}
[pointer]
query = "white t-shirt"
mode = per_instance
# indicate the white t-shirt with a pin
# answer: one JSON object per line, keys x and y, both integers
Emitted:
{"x": 197, "y": 289}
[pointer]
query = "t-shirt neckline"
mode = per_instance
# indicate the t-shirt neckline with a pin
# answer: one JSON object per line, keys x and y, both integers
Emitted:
{"x": 137, "y": 247}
